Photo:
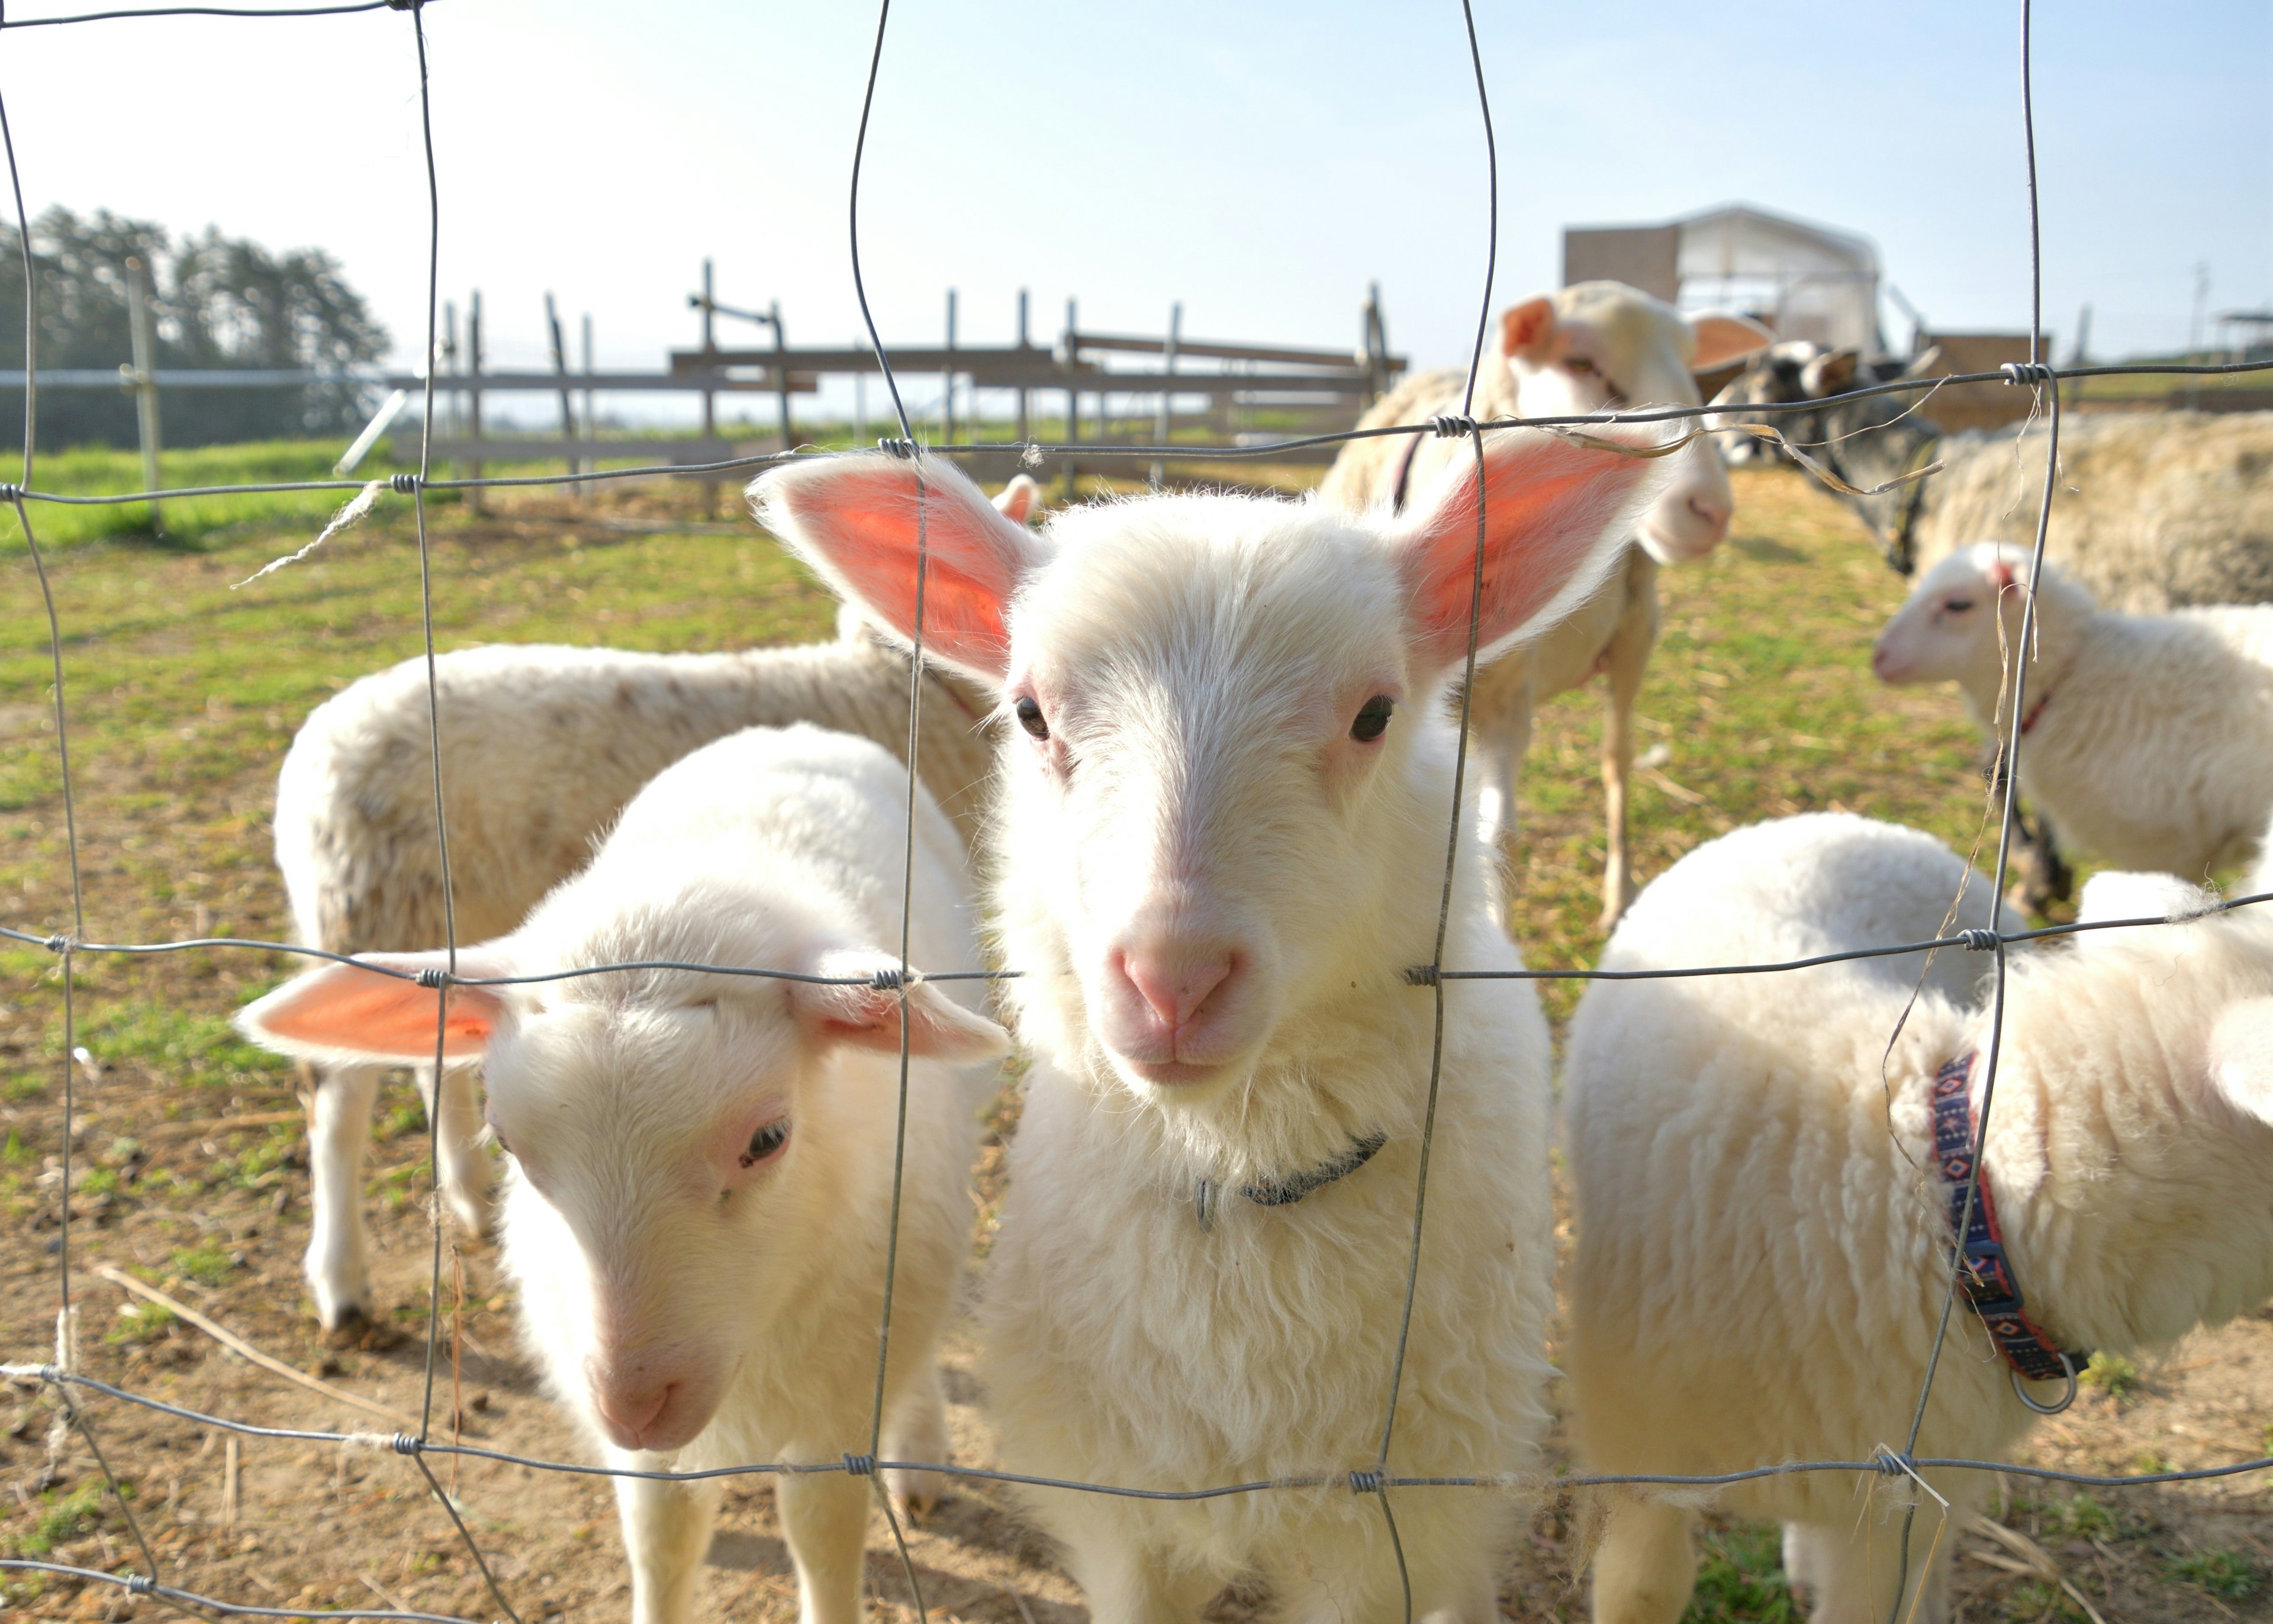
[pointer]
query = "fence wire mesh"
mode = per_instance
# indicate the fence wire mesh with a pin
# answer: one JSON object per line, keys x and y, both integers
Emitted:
{"x": 61, "y": 1378}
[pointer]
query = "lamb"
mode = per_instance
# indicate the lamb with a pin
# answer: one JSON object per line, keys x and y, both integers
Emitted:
{"x": 542, "y": 746}
{"x": 1220, "y": 845}
{"x": 1591, "y": 346}
{"x": 2156, "y": 511}
{"x": 1763, "y": 1248}
{"x": 2150, "y": 737}
{"x": 701, "y": 1163}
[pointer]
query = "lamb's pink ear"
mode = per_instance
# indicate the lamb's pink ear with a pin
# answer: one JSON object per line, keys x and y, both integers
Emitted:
{"x": 854, "y": 521}
{"x": 868, "y": 1016}
{"x": 1722, "y": 339}
{"x": 1556, "y": 513}
{"x": 1527, "y": 332}
{"x": 351, "y": 1014}
{"x": 2241, "y": 1057}
{"x": 1017, "y": 500}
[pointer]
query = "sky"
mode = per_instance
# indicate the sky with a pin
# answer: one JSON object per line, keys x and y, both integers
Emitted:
{"x": 1260, "y": 162}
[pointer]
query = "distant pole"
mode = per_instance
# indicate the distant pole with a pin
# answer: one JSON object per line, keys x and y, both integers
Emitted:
{"x": 860, "y": 408}
{"x": 146, "y": 378}
{"x": 1165, "y": 421}
{"x": 2083, "y": 347}
{"x": 568, "y": 402}
{"x": 590, "y": 432}
{"x": 474, "y": 396}
{"x": 1025, "y": 408}
{"x": 2194, "y": 330}
{"x": 781, "y": 370}
{"x": 947, "y": 379}
{"x": 450, "y": 359}
{"x": 709, "y": 344}
{"x": 1073, "y": 393}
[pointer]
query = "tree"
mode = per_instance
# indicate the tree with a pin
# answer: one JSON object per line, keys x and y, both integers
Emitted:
{"x": 217, "y": 302}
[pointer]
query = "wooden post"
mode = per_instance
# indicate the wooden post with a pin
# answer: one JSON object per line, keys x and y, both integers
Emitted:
{"x": 590, "y": 432}
{"x": 474, "y": 398}
{"x": 1165, "y": 420}
{"x": 1376, "y": 342}
{"x": 450, "y": 365}
{"x": 860, "y": 408}
{"x": 947, "y": 379}
{"x": 145, "y": 378}
{"x": 1025, "y": 432}
{"x": 567, "y": 405}
{"x": 781, "y": 370}
{"x": 1073, "y": 393}
{"x": 709, "y": 400}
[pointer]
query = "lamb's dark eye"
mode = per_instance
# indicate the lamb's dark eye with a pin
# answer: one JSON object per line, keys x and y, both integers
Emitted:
{"x": 1957, "y": 606}
{"x": 1372, "y": 718}
{"x": 1030, "y": 717}
{"x": 765, "y": 1142}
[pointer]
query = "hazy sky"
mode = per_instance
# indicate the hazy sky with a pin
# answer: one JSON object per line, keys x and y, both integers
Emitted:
{"x": 1261, "y": 162}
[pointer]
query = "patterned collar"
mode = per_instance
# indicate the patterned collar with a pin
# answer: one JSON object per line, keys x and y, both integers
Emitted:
{"x": 1291, "y": 1188}
{"x": 1989, "y": 1282}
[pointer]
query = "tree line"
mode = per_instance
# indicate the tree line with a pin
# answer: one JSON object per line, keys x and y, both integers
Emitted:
{"x": 216, "y": 302}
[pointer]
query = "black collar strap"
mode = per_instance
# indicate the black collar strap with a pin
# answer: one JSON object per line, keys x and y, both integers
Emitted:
{"x": 1287, "y": 1191}
{"x": 1988, "y": 1280}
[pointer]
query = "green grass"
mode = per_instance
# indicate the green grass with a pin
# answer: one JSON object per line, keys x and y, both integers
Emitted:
{"x": 209, "y": 1263}
{"x": 2113, "y": 1374}
{"x": 62, "y": 1517}
{"x": 1740, "y": 1578}
{"x": 140, "y": 1323}
{"x": 2226, "y": 1575}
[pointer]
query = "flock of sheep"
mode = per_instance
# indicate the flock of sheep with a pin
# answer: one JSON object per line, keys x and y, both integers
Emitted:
{"x": 1197, "y": 749}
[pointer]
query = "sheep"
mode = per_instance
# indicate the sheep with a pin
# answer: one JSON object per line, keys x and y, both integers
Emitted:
{"x": 1763, "y": 1250}
{"x": 702, "y": 1164}
{"x": 541, "y": 746}
{"x": 2156, "y": 511}
{"x": 2149, "y": 738}
{"x": 1591, "y": 346}
{"x": 1220, "y": 843}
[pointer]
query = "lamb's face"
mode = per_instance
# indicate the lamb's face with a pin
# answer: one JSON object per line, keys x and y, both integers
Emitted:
{"x": 1948, "y": 630}
{"x": 1600, "y": 347}
{"x": 661, "y": 1143}
{"x": 1207, "y": 691}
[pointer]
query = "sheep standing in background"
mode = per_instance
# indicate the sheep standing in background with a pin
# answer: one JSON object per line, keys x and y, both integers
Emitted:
{"x": 1591, "y": 346}
{"x": 2154, "y": 511}
{"x": 1220, "y": 846}
{"x": 1763, "y": 1242}
{"x": 697, "y": 1223}
{"x": 2149, "y": 737}
{"x": 541, "y": 746}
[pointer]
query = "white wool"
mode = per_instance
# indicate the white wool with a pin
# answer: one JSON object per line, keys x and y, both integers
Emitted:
{"x": 735, "y": 1306}
{"x": 1642, "y": 349}
{"x": 542, "y": 747}
{"x": 1190, "y": 666}
{"x": 1762, "y": 1246}
{"x": 2152, "y": 744}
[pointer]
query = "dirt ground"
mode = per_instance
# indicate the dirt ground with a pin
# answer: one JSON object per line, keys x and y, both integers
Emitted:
{"x": 190, "y": 1177}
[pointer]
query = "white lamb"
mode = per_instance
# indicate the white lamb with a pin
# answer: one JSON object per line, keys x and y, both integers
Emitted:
{"x": 1222, "y": 844}
{"x": 699, "y": 1214}
{"x": 1764, "y": 1238}
{"x": 542, "y": 745}
{"x": 2148, "y": 739}
{"x": 1591, "y": 346}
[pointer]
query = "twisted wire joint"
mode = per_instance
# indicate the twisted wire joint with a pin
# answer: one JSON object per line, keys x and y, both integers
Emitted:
{"x": 58, "y": 943}
{"x": 1977, "y": 941}
{"x": 1365, "y": 1482}
{"x": 403, "y": 485}
{"x": 1451, "y": 425}
{"x": 889, "y": 980}
{"x": 860, "y": 1465}
{"x": 2028, "y": 372}
{"x": 905, "y": 450}
{"x": 1422, "y": 975}
{"x": 139, "y": 1583}
{"x": 433, "y": 976}
{"x": 405, "y": 1443}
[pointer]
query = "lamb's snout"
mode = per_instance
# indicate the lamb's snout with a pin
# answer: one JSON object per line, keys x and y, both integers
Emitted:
{"x": 1690, "y": 519}
{"x": 1168, "y": 998}
{"x": 644, "y": 1404}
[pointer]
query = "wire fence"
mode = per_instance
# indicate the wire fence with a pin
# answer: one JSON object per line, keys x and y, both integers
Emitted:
{"x": 61, "y": 1377}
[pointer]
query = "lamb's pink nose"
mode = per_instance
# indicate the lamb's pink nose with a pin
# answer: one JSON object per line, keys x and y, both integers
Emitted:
{"x": 630, "y": 1411}
{"x": 1712, "y": 511}
{"x": 1175, "y": 983}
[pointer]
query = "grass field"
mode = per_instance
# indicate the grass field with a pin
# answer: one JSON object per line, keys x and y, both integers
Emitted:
{"x": 184, "y": 690}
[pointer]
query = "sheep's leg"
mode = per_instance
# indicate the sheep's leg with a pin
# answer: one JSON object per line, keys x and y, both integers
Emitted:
{"x": 1499, "y": 733}
{"x": 666, "y": 1531}
{"x": 338, "y": 1263}
{"x": 1646, "y": 1565}
{"x": 824, "y": 1518}
{"x": 1853, "y": 1571}
{"x": 1624, "y": 662}
{"x": 1345, "y": 1573}
{"x": 465, "y": 1173}
{"x": 916, "y": 1430}
{"x": 1125, "y": 1582}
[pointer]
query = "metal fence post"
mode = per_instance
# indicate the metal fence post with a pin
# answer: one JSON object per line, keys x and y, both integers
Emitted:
{"x": 567, "y": 405}
{"x": 947, "y": 379}
{"x": 145, "y": 377}
{"x": 1073, "y": 394}
{"x": 1025, "y": 432}
{"x": 1165, "y": 420}
{"x": 591, "y": 429}
{"x": 780, "y": 371}
{"x": 474, "y": 398}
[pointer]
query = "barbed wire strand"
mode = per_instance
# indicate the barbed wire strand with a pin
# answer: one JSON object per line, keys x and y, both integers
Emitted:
{"x": 1452, "y": 836}
{"x": 883, "y": 1493}
{"x": 2010, "y": 756}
